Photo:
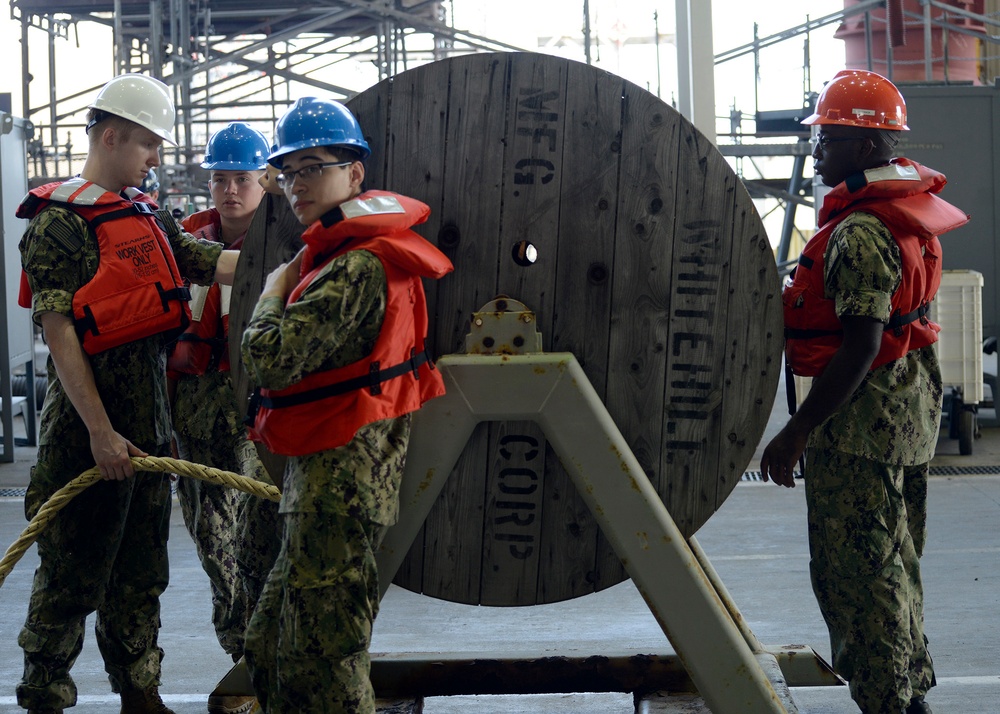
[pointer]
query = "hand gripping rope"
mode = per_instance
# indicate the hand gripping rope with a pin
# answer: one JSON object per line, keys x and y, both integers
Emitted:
{"x": 64, "y": 495}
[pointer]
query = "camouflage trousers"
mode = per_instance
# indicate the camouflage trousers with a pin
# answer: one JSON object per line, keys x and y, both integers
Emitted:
{"x": 307, "y": 644}
{"x": 235, "y": 533}
{"x": 867, "y": 525}
{"x": 258, "y": 537}
{"x": 105, "y": 552}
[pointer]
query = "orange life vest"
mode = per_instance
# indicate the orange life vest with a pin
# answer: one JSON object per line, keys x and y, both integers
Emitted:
{"x": 137, "y": 290}
{"x": 204, "y": 345}
{"x": 325, "y": 409}
{"x": 902, "y": 196}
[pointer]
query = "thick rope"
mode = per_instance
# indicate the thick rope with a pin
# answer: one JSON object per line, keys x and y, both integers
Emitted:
{"x": 58, "y": 500}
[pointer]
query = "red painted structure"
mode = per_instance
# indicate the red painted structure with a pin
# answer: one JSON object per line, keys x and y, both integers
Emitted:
{"x": 955, "y": 55}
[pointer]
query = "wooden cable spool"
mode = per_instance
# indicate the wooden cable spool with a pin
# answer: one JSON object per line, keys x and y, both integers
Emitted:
{"x": 652, "y": 267}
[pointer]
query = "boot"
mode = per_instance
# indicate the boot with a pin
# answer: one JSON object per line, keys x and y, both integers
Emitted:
{"x": 918, "y": 706}
{"x": 143, "y": 701}
{"x": 45, "y": 711}
{"x": 239, "y": 704}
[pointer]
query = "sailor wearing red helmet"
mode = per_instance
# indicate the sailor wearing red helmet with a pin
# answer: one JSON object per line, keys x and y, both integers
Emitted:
{"x": 856, "y": 320}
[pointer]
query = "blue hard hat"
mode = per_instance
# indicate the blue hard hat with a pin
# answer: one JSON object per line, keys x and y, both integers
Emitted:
{"x": 317, "y": 122}
{"x": 238, "y": 147}
{"x": 150, "y": 183}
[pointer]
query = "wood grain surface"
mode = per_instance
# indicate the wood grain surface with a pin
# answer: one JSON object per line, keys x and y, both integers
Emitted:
{"x": 653, "y": 269}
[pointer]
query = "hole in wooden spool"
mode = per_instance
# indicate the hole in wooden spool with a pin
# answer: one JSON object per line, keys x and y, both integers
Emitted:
{"x": 449, "y": 236}
{"x": 597, "y": 273}
{"x": 524, "y": 253}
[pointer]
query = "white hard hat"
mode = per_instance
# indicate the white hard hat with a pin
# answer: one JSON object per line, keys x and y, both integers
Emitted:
{"x": 141, "y": 99}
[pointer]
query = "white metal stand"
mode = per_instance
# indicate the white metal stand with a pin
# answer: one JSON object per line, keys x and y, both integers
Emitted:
{"x": 552, "y": 390}
{"x": 725, "y": 661}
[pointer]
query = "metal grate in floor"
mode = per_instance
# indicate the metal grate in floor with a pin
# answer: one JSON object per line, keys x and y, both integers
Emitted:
{"x": 935, "y": 471}
{"x": 19, "y": 492}
{"x": 755, "y": 476}
{"x": 964, "y": 470}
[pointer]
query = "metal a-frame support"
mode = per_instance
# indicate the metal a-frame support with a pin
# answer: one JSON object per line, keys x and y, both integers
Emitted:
{"x": 552, "y": 390}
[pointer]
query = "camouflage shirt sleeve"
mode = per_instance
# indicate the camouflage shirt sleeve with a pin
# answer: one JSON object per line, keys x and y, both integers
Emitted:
{"x": 863, "y": 267}
{"x": 334, "y": 322}
{"x": 196, "y": 258}
{"x": 58, "y": 258}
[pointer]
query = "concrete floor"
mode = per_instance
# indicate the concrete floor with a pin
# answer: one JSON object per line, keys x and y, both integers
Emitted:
{"x": 756, "y": 542}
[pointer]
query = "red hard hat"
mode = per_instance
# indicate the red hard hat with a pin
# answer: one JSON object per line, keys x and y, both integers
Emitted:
{"x": 856, "y": 97}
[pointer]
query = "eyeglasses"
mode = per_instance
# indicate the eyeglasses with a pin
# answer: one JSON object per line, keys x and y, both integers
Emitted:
{"x": 824, "y": 141}
{"x": 307, "y": 173}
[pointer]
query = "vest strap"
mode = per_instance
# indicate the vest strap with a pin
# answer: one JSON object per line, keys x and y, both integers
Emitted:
{"x": 793, "y": 402}
{"x": 87, "y": 324}
{"x": 896, "y": 323}
{"x": 213, "y": 341}
{"x": 180, "y": 293}
{"x": 133, "y": 209}
{"x": 217, "y": 347}
{"x": 371, "y": 381}
{"x": 792, "y": 333}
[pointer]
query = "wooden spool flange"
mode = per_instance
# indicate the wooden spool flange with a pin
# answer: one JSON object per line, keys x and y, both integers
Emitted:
{"x": 653, "y": 269}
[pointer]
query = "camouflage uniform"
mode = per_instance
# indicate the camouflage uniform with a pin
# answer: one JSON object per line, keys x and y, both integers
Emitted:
{"x": 106, "y": 551}
{"x": 258, "y": 532}
{"x": 866, "y": 490}
{"x": 307, "y": 643}
{"x": 236, "y": 533}
{"x": 209, "y": 431}
{"x": 208, "y": 426}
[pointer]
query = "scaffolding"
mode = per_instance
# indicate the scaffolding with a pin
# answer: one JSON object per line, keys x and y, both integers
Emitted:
{"x": 232, "y": 60}
{"x": 226, "y": 60}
